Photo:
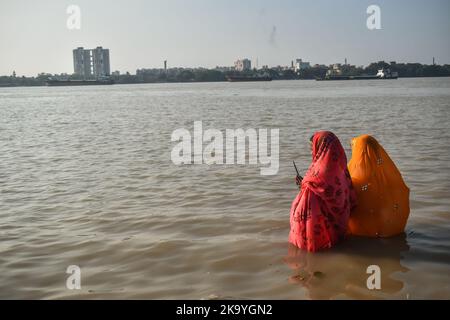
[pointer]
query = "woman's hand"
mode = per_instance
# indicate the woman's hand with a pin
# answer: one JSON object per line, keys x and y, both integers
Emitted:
{"x": 298, "y": 181}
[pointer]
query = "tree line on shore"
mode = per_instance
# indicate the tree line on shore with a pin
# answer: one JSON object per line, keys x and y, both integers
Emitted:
{"x": 404, "y": 70}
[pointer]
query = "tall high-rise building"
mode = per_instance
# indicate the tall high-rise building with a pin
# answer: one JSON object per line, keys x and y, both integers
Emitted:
{"x": 100, "y": 62}
{"x": 91, "y": 62}
{"x": 82, "y": 64}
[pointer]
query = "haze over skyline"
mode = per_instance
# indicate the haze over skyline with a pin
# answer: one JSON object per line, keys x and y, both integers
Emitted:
{"x": 207, "y": 33}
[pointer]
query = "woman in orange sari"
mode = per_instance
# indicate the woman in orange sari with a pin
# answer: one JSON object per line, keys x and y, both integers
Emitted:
{"x": 382, "y": 195}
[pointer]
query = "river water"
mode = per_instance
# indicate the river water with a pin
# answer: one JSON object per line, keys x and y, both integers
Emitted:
{"x": 86, "y": 179}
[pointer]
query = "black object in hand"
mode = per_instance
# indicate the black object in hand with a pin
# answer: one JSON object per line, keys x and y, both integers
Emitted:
{"x": 298, "y": 174}
{"x": 298, "y": 178}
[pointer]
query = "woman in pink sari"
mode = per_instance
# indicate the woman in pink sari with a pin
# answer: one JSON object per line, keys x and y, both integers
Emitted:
{"x": 320, "y": 212}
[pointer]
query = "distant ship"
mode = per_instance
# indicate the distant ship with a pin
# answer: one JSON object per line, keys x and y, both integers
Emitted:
{"x": 383, "y": 74}
{"x": 248, "y": 78}
{"x": 58, "y": 83}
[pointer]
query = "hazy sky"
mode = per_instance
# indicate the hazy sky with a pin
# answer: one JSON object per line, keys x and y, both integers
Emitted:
{"x": 142, "y": 33}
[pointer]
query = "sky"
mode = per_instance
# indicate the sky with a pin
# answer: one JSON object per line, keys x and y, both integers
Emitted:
{"x": 34, "y": 36}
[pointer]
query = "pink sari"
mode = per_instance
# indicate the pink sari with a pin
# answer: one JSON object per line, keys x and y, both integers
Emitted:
{"x": 320, "y": 212}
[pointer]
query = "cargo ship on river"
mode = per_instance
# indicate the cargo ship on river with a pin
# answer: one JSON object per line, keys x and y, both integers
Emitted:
{"x": 383, "y": 74}
{"x": 248, "y": 78}
{"x": 60, "y": 83}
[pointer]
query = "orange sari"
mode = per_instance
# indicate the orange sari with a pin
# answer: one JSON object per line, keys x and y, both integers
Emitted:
{"x": 383, "y": 197}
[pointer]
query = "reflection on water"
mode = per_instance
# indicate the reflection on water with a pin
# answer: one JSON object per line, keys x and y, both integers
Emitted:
{"x": 342, "y": 271}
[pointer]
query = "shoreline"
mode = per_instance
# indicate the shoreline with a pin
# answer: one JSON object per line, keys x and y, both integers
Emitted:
{"x": 179, "y": 82}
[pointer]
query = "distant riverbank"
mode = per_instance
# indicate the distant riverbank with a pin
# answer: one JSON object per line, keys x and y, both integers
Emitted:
{"x": 187, "y": 75}
{"x": 162, "y": 82}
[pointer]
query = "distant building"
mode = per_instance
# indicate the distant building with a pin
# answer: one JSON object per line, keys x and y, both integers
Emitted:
{"x": 82, "y": 64}
{"x": 100, "y": 62}
{"x": 91, "y": 62}
{"x": 243, "y": 65}
{"x": 301, "y": 65}
{"x": 335, "y": 70}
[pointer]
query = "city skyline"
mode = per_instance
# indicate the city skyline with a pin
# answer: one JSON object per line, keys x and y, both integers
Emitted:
{"x": 207, "y": 34}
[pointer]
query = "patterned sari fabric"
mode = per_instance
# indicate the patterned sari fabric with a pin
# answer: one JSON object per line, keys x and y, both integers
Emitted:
{"x": 383, "y": 197}
{"x": 320, "y": 212}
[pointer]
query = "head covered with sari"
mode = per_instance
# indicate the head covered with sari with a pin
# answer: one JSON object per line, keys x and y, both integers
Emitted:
{"x": 320, "y": 212}
{"x": 383, "y": 197}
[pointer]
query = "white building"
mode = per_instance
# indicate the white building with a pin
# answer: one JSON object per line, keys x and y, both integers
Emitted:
{"x": 88, "y": 62}
{"x": 82, "y": 63}
{"x": 243, "y": 65}
{"x": 100, "y": 62}
{"x": 301, "y": 65}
